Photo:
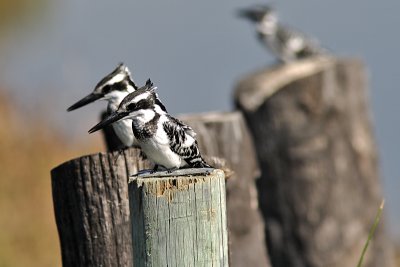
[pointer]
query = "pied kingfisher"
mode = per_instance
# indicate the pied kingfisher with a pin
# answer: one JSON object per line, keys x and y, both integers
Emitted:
{"x": 284, "y": 42}
{"x": 164, "y": 139}
{"x": 114, "y": 88}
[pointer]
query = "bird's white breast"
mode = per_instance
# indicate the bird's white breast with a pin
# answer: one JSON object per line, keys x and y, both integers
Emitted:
{"x": 157, "y": 148}
{"x": 123, "y": 129}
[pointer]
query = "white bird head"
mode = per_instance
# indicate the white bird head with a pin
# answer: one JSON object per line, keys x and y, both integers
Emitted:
{"x": 113, "y": 87}
{"x": 143, "y": 104}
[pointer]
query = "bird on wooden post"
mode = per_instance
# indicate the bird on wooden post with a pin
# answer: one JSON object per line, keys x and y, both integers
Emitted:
{"x": 284, "y": 42}
{"x": 114, "y": 88}
{"x": 165, "y": 140}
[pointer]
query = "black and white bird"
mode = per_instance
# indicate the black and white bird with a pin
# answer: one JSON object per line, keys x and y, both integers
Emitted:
{"x": 284, "y": 42}
{"x": 164, "y": 139}
{"x": 114, "y": 88}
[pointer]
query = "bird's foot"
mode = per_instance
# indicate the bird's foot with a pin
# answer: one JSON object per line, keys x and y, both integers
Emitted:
{"x": 172, "y": 170}
{"x": 141, "y": 172}
{"x": 155, "y": 168}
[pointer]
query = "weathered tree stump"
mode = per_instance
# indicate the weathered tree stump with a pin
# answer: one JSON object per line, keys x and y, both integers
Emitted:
{"x": 320, "y": 188}
{"x": 179, "y": 219}
{"x": 225, "y": 135}
{"x": 91, "y": 207}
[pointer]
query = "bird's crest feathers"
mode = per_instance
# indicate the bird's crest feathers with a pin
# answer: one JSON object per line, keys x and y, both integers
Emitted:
{"x": 123, "y": 68}
{"x": 144, "y": 92}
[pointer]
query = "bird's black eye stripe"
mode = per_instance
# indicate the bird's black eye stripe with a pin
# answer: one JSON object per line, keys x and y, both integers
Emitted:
{"x": 106, "y": 89}
{"x": 120, "y": 86}
{"x": 131, "y": 107}
{"x": 142, "y": 104}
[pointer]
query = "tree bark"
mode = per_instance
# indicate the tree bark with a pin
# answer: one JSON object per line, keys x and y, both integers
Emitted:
{"x": 225, "y": 135}
{"x": 320, "y": 187}
{"x": 179, "y": 218}
{"x": 90, "y": 196}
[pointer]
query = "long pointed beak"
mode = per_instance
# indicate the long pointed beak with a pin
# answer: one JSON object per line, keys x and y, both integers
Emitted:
{"x": 84, "y": 101}
{"x": 243, "y": 13}
{"x": 246, "y": 13}
{"x": 108, "y": 120}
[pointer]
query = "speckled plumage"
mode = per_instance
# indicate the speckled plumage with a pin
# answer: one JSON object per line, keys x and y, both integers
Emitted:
{"x": 113, "y": 88}
{"x": 286, "y": 43}
{"x": 164, "y": 139}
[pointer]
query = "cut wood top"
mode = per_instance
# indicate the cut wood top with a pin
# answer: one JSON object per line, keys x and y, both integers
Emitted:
{"x": 212, "y": 117}
{"x": 252, "y": 90}
{"x": 165, "y": 184}
{"x": 181, "y": 173}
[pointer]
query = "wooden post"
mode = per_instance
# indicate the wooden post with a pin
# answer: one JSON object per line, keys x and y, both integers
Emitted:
{"x": 179, "y": 219}
{"x": 91, "y": 207}
{"x": 225, "y": 135}
{"x": 320, "y": 186}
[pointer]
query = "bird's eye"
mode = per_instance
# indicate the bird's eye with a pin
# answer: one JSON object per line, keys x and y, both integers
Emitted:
{"x": 131, "y": 106}
{"x": 119, "y": 86}
{"x": 143, "y": 104}
{"x": 106, "y": 89}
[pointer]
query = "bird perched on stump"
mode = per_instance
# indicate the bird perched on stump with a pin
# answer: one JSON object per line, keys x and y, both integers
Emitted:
{"x": 114, "y": 88}
{"x": 165, "y": 140}
{"x": 286, "y": 43}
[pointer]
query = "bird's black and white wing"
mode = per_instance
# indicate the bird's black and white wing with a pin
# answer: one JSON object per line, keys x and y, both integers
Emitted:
{"x": 188, "y": 130}
{"x": 183, "y": 143}
{"x": 296, "y": 44}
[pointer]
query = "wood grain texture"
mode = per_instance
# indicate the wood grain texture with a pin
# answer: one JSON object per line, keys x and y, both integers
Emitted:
{"x": 179, "y": 220}
{"x": 320, "y": 186}
{"x": 225, "y": 135}
{"x": 91, "y": 207}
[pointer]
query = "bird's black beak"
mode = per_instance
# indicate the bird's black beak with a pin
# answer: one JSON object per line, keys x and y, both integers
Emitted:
{"x": 84, "y": 101}
{"x": 108, "y": 120}
{"x": 247, "y": 13}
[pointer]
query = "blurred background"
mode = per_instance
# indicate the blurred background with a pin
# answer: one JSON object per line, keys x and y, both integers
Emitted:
{"x": 52, "y": 53}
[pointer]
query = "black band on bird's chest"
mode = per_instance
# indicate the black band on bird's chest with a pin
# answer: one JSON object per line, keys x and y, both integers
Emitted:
{"x": 147, "y": 130}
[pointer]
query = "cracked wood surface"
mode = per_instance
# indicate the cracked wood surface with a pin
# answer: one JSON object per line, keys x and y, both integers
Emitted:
{"x": 90, "y": 196}
{"x": 179, "y": 220}
{"x": 225, "y": 135}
